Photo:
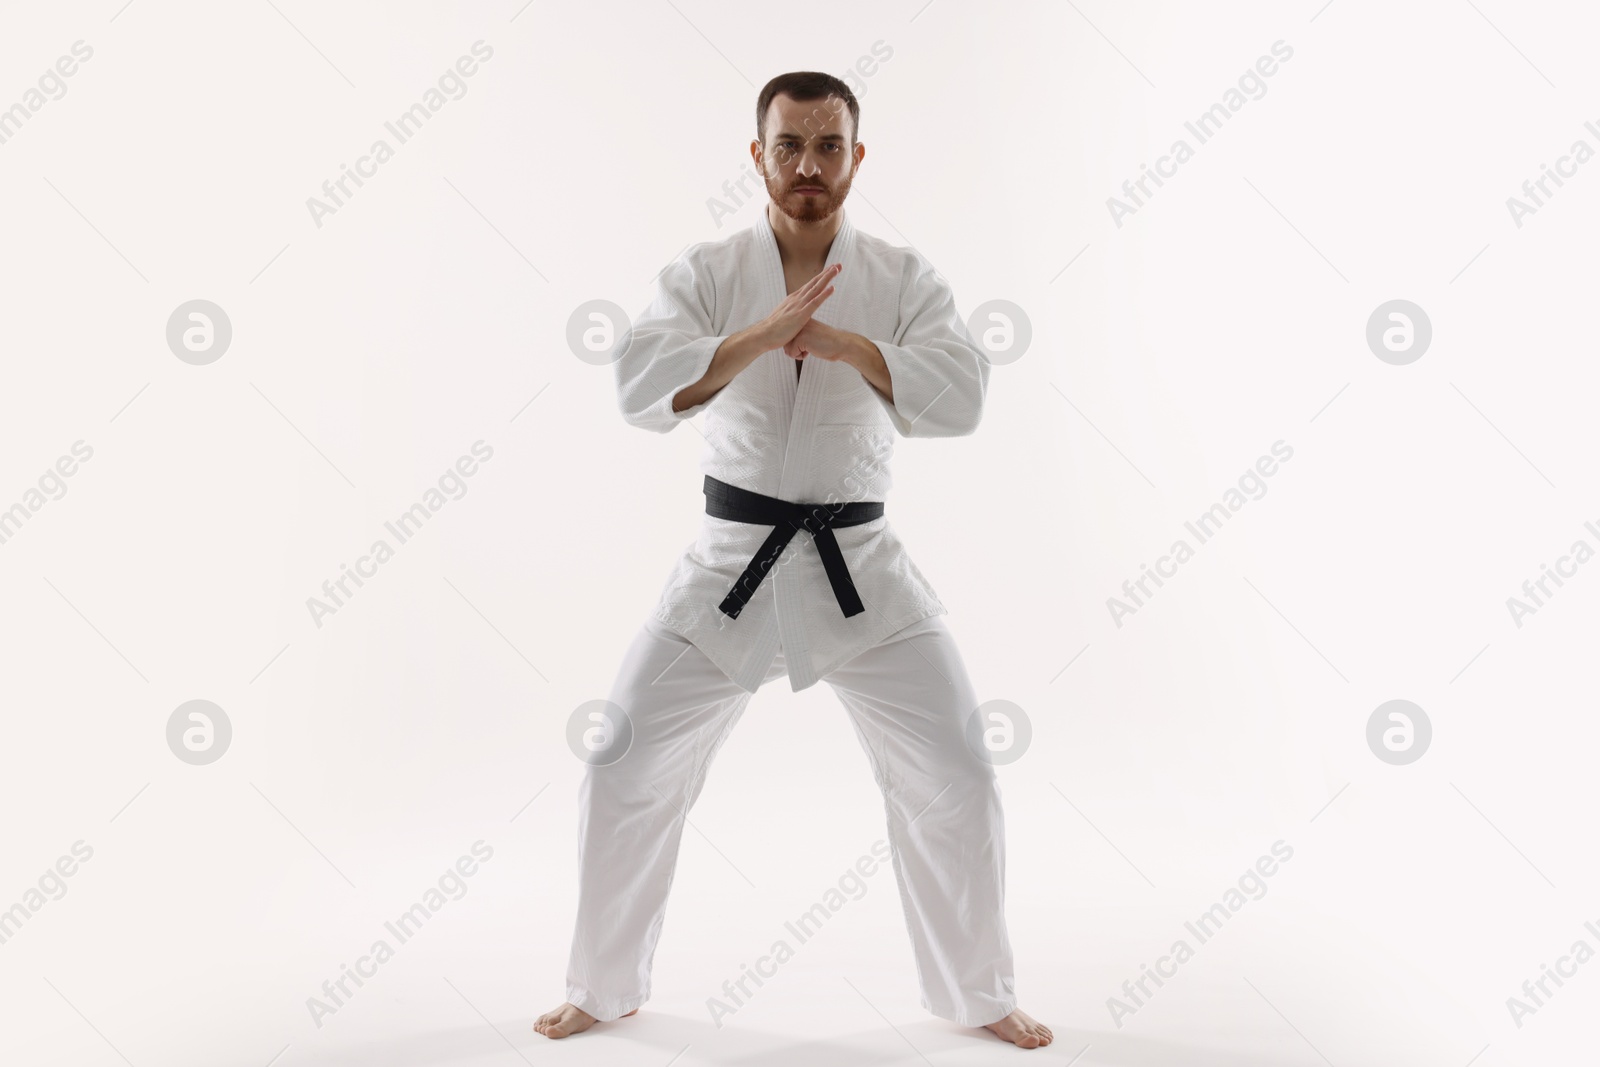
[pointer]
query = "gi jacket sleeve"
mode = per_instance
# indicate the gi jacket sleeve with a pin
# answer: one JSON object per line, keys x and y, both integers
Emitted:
{"x": 938, "y": 372}
{"x": 669, "y": 346}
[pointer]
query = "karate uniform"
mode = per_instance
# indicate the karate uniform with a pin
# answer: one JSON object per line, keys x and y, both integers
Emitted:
{"x": 827, "y": 437}
{"x": 690, "y": 671}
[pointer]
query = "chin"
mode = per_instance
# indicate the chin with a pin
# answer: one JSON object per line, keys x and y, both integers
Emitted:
{"x": 809, "y": 212}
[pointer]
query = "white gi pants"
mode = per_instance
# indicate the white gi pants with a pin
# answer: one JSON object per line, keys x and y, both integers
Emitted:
{"x": 908, "y": 698}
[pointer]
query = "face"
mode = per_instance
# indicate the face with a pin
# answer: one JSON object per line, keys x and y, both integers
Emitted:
{"x": 809, "y": 146}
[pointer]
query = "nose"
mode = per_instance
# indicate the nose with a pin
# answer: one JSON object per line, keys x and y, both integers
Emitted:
{"x": 809, "y": 165}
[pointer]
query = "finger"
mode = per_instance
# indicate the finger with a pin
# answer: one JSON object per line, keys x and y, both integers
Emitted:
{"x": 824, "y": 275}
{"x": 829, "y": 273}
{"x": 818, "y": 299}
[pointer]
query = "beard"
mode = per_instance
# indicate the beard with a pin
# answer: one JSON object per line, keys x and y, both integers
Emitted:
{"x": 808, "y": 208}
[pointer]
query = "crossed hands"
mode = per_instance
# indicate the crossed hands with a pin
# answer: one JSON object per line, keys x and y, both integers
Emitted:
{"x": 792, "y": 326}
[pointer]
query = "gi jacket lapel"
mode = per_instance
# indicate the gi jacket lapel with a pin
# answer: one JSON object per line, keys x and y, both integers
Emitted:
{"x": 804, "y": 396}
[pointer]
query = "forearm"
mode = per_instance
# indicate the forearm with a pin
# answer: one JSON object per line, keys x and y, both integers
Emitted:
{"x": 735, "y": 353}
{"x": 866, "y": 357}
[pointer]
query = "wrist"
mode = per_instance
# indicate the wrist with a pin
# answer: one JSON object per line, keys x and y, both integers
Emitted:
{"x": 858, "y": 350}
{"x": 755, "y": 340}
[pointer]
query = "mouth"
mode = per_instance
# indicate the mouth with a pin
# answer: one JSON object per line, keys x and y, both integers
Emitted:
{"x": 808, "y": 190}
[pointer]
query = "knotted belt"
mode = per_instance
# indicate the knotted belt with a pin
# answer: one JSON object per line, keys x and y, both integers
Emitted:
{"x": 724, "y": 501}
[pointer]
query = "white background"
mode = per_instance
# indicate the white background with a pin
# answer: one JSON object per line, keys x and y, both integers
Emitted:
{"x": 1168, "y": 354}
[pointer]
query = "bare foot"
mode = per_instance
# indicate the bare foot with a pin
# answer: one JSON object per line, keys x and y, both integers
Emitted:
{"x": 570, "y": 1019}
{"x": 1022, "y": 1030}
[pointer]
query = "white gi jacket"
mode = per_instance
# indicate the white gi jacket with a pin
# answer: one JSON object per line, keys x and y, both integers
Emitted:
{"x": 824, "y": 438}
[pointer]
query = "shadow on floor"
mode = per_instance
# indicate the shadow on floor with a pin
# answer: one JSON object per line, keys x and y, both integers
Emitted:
{"x": 666, "y": 1036}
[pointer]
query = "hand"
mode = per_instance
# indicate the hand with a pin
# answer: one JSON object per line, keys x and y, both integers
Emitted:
{"x": 795, "y": 312}
{"x": 820, "y": 340}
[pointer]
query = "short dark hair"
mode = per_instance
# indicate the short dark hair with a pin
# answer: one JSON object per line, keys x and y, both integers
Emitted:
{"x": 806, "y": 85}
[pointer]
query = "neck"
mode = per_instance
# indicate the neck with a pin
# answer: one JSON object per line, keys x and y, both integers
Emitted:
{"x": 804, "y": 242}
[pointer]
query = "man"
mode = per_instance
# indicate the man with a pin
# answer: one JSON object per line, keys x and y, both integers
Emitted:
{"x": 877, "y": 348}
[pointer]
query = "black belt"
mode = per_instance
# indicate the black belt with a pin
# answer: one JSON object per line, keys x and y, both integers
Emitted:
{"x": 724, "y": 501}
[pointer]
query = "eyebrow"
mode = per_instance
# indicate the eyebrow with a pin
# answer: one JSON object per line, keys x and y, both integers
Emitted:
{"x": 796, "y": 136}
